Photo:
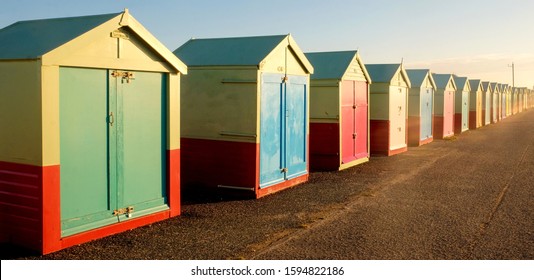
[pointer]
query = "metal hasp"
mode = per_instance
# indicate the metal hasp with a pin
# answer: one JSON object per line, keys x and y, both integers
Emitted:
{"x": 127, "y": 210}
{"x": 126, "y": 76}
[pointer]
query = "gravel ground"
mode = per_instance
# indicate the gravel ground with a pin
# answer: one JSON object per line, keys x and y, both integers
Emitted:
{"x": 469, "y": 197}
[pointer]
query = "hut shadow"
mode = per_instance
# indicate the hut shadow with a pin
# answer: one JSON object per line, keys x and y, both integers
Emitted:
{"x": 11, "y": 252}
{"x": 203, "y": 195}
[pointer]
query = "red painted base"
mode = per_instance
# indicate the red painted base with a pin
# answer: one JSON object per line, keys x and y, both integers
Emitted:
{"x": 211, "y": 163}
{"x": 30, "y": 207}
{"x": 458, "y": 123}
{"x": 414, "y": 131}
{"x": 282, "y": 186}
{"x": 324, "y": 146}
{"x": 379, "y": 139}
{"x": 472, "y": 120}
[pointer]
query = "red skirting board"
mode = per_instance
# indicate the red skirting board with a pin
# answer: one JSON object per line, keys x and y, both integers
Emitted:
{"x": 458, "y": 123}
{"x": 472, "y": 120}
{"x": 226, "y": 165}
{"x": 324, "y": 146}
{"x": 30, "y": 207}
{"x": 414, "y": 131}
{"x": 379, "y": 138}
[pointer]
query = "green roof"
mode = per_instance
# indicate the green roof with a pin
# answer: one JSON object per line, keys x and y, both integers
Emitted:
{"x": 475, "y": 84}
{"x": 417, "y": 76}
{"x": 460, "y": 81}
{"x": 441, "y": 80}
{"x": 485, "y": 86}
{"x": 34, "y": 38}
{"x": 240, "y": 51}
{"x": 330, "y": 65}
{"x": 382, "y": 73}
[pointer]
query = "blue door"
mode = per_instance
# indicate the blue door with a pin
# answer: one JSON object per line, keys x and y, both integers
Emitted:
{"x": 283, "y": 142}
{"x": 426, "y": 113}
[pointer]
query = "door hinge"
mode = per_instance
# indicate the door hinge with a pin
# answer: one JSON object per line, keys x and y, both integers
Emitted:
{"x": 127, "y": 210}
{"x": 126, "y": 76}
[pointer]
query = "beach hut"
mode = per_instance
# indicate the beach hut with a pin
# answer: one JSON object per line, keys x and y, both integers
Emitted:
{"x": 475, "y": 104}
{"x": 420, "y": 106}
{"x": 89, "y": 119}
{"x": 514, "y": 96}
{"x": 444, "y": 106}
{"x": 486, "y": 103}
{"x": 388, "y": 108}
{"x": 339, "y": 110}
{"x": 503, "y": 105}
{"x": 509, "y": 105}
{"x": 245, "y": 112}
{"x": 495, "y": 88}
{"x": 461, "y": 104}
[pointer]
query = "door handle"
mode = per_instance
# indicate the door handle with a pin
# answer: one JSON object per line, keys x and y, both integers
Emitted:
{"x": 111, "y": 119}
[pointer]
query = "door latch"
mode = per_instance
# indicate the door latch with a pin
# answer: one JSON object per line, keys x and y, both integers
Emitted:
{"x": 283, "y": 170}
{"x": 354, "y": 135}
{"x": 127, "y": 210}
{"x": 111, "y": 119}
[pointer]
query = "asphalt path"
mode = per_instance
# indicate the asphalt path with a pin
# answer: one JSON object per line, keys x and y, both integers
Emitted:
{"x": 469, "y": 197}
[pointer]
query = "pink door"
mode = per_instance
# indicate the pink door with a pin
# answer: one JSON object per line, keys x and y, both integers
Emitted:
{"x": 348, "y": 143}
{"x": 448, "y": 114}
{"x": 361, "y": 120}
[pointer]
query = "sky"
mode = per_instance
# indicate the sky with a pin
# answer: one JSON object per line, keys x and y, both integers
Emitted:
{"x": 479, "y": 39}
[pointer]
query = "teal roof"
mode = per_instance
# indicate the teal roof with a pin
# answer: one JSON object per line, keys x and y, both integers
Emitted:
{"x": 485, "y": 86}
{"x": 239, "y": 51}
{"x": 330, "y": 65}
{"x": 382, "y": 73}
{"x": 441, "y": 80}
{"x": 34, "y": 38}
{"x": 475, "y": 84}
{"x": 417, "y": 76}
{"x": 460, "y": 81}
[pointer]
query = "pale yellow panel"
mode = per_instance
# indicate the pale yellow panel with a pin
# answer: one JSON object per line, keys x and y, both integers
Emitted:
{"x": 379, "y": 101}
{"x": 104, "y": 51}
{"x": 354, "y": 72}
{"x": 50, "y": 108}
{"x": 414, "y": 101}
{"x": 397, "y": 117}
{"x": 219, "y": 104}
{"x": 276, "y": 62}
{"x": 398, "y": 80}
{"x": 20, "y": 112}
{"x": 173, "y": 113}
{"x": 324, "y": 101}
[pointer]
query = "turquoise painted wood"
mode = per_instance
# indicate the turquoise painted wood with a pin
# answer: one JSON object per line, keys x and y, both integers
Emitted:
{"x": 426, "y": 96}
{"x": 86, "y": 199}
{"x": 283, "y": 125}
{"x": 112, "y": 145}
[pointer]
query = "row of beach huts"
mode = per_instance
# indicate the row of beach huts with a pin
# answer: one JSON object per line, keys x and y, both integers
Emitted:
{"x": 100, "y": 127}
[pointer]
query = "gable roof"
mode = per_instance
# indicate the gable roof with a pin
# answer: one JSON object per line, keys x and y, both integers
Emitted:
{"x": 417, "y": 77}
{"x": 495, "y": 87}
{"x": 461, "y": 83}
{"x": 334, "y": 65}
{"x": 486, "y": 86}
{"x": 475, "y": 84}
{"x": 443, "y": 79}
{"x": 34, "y": 38}
{"x": 235, "y": 51}
{"x": 383, "y": 73}
{"x": 37, "y": 39}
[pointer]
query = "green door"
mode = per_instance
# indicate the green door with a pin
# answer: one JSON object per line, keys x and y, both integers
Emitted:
{"x": 112, "y": 147}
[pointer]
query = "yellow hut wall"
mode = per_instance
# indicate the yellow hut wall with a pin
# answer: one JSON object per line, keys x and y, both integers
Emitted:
{"x": 379, "y": 101}
{"x": 20, "y": 112}
{"x": 220, "y": 104}
{"x": 325, "y": 101}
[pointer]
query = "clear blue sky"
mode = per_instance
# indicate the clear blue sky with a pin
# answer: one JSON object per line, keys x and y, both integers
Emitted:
{"x": 477, "y": 38}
